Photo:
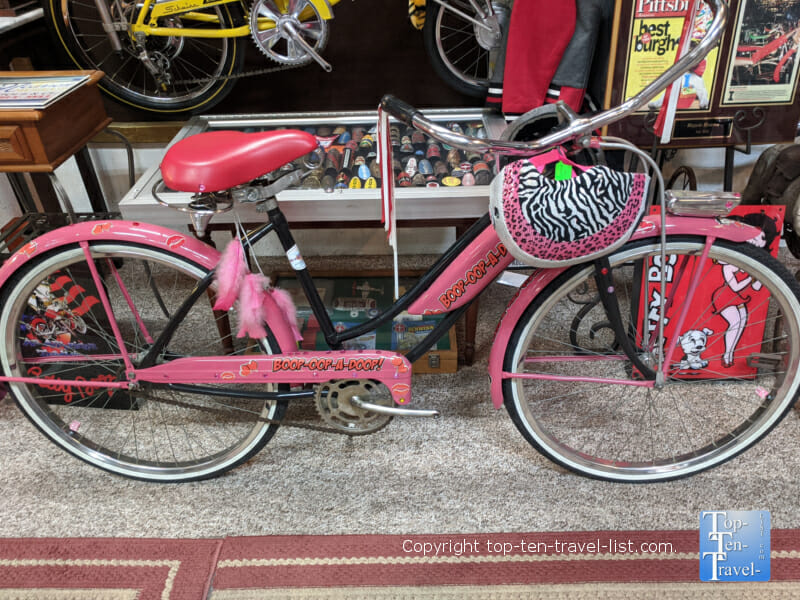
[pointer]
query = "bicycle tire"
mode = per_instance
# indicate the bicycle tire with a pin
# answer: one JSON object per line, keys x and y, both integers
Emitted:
{"x": 153, "y": 433}
{"x": 683, "y": 178}
{"x": 460, "y": 58}
{"x": 533, "y": 125}
{"x": 637, "y": 434}
{"x": 77, "y": 27}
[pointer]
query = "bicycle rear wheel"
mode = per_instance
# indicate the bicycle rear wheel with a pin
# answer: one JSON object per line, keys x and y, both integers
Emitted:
{"x": 191, "y": 72}
{"x": 463, "y": 47}
{"x": 153, "y": 433}
{"x": 710, "y": 408}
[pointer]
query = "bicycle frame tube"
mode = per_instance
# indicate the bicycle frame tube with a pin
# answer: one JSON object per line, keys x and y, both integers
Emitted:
{"x": 390, "y": 368}
{"x": 152, "y": 11}
{"x": 465, "y": 277}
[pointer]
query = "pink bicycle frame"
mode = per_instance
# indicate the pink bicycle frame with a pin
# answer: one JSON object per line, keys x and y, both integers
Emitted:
{"x": 471, "y": 271}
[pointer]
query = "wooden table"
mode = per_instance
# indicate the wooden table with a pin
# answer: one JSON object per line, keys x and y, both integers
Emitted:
{"x": 37, "y": 141}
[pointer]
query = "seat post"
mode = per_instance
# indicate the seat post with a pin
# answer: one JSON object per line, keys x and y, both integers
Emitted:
{"x": 281, "y": 225}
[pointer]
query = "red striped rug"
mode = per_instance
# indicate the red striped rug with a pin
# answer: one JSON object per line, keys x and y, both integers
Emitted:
{"x": 106, "y": 568}
{"x": 606, "y": 564}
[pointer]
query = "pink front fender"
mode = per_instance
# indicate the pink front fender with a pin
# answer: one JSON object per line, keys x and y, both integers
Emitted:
{"x": 145, "y": 234}
{"x": 532, "y": 287}
{"x": 650, "y": 227}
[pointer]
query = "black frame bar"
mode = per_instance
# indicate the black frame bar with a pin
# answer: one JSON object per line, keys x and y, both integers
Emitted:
{"x": 333, "y": 338}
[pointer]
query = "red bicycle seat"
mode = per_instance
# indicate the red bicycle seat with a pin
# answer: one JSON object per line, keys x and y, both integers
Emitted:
{"x": 218, "y": 160}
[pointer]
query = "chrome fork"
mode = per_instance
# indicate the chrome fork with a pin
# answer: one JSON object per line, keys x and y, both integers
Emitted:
{"x": 109, "y": 26}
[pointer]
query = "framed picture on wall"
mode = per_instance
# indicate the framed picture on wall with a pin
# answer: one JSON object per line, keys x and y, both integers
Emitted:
{"x": 763, "y": 68}
{"x": 743, "y": 91}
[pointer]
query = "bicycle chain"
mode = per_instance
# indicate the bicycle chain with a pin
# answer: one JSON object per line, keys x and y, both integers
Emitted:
{"x": 259, "y": 419}
{"x": 264, "y": 71}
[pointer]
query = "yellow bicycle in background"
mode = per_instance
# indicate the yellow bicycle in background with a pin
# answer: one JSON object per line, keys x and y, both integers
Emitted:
{"x": 179, "y": 55}
{"x": 173, "y": 56}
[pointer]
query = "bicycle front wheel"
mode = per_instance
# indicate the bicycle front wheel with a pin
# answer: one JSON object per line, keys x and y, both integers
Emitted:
{"x": 180, "y": 74}
{"x": 733, "y": 375}
{"x": 54, "y": 326}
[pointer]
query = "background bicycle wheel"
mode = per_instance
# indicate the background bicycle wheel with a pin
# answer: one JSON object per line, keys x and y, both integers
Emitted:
{"x": 372, "y": 52}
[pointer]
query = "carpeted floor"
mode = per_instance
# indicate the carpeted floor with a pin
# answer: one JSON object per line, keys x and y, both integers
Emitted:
{"x": 470, "y": 471}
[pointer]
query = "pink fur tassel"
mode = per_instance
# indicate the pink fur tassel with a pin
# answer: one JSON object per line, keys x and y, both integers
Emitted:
{"x": 229, "y": 274}
{"x": 251, "y": 306}
{"x": 284, "y": 302}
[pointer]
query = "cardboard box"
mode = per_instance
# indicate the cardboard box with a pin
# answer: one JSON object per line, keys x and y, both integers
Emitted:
{"x": 353, "y": 299}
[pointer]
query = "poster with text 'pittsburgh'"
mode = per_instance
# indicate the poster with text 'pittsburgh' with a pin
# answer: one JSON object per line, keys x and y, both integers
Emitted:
{"x": 654, "y": 42}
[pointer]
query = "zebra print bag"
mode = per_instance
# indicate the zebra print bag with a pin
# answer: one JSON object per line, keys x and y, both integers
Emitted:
{"x": 547, "y": 223}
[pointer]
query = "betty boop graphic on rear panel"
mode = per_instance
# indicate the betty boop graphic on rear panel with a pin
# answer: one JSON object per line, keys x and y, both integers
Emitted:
{"x": 732, "y": 300}
{"x": 724, "y": 325}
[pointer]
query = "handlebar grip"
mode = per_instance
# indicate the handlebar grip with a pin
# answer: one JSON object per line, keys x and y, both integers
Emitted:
{"x": 402, "y": 111}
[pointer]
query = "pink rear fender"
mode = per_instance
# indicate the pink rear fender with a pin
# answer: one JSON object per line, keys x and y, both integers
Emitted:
{"x": 145, "y": 234}
{"x": 650, "y": 227}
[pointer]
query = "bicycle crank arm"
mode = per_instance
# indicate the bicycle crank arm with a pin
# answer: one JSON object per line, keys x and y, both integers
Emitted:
{"x": 391, "y": 410}
{"x": 291, "y": 32}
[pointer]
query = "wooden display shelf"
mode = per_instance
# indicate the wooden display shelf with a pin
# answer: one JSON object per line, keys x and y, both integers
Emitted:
{"x": 17, "y": 7}
{"x": 39, "y": 140}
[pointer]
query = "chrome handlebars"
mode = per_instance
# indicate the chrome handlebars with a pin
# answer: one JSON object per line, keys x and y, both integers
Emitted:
{"x": 577, "y": 128}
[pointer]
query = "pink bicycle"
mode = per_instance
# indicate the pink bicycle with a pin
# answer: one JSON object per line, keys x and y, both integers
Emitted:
{"x": 590, "y": 369}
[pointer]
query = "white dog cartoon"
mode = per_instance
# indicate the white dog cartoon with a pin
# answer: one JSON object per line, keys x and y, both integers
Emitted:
{"x": 694, "y": 344}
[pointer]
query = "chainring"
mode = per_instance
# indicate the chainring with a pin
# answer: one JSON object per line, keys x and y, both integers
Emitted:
{"x": 333, "y": 402}
{"x": 277, "y": 42}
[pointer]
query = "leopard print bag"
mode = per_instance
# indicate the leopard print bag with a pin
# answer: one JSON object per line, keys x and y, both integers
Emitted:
{"x": 548, "y": 223}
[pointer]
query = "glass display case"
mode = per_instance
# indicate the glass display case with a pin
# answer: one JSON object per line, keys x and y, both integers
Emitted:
{"x": 432, "y": 182}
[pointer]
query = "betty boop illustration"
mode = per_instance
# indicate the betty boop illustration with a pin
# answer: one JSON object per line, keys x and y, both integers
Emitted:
{"x": 730, "y": 300}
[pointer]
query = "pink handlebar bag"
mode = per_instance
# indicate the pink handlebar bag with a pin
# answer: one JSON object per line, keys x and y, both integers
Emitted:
{"x": 547, "y": 223}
